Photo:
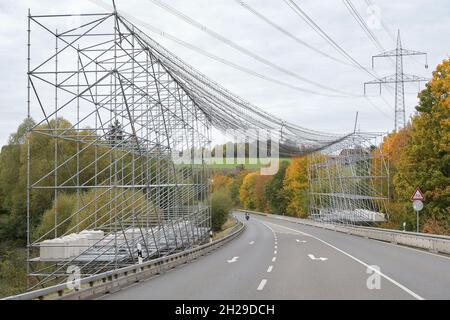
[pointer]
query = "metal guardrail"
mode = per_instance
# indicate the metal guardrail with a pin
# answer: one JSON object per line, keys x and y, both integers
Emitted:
{"x": 114, "y": 280}
{"x": 431, "y": 242}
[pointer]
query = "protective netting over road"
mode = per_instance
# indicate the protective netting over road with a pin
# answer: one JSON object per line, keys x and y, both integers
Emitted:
{"x": 112, "y": 107}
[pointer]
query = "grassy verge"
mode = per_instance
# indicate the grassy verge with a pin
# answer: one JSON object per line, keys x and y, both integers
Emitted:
{"x": 226, "y": 228}
{"x": 12, "y": 271}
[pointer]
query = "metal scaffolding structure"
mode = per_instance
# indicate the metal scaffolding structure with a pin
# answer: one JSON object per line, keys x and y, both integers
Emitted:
{"x": 349, "y": 181}
{"x": 113, "y": 107}
{"x": 113, "y": 115}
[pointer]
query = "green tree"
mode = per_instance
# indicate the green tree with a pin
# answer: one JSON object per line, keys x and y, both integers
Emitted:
{"x": 221, "y": 205}
{"x": 274, "y": 193}
{"x": 19, "y": 136}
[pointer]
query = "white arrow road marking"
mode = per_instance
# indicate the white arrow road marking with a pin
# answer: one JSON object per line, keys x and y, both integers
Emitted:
{"x": 234, "y": 259}
{"x": 251, "y": 242}
{"x": 412, "y": 293}
{"x": 262, "y": 284}
{"x": 311, "y": 256}
{"x": 302, "y": 241}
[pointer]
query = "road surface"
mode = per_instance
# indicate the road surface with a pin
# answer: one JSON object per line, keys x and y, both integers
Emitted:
{"x": 277, "y": 259}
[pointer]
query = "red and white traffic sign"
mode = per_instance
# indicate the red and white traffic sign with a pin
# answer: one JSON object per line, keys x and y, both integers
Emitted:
{"x": 417, "y": 195}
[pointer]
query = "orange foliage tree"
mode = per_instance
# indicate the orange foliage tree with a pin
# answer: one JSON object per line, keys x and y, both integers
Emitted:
{"x": 251, "y": 192}
{"x": 295, "y": 186}
{"x": 418, "y": 155}
{"x": 220, "y": 181}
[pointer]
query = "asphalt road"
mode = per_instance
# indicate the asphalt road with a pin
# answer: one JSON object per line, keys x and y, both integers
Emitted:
{"x": 277, "y": 259}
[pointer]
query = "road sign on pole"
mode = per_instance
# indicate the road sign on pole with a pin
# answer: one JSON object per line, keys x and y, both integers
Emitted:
{"x": 417, "y": 195}
{"x": 417, "y": 205}
{"x": 417, "y": 198}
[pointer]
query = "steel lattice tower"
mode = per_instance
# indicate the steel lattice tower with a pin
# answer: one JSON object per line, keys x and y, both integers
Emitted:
{"x": 399, "y": 79}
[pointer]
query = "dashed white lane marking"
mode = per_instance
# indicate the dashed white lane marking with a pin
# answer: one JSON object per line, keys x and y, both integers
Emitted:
{"x": 262, "y": 284}
{"x": 301, "y": 241}
{"x": 234, "y": 259}
{"x": 276, "y": 247}
{"x": 270, "y": 269}
{"x": 274, "y": 258}
{"x": 251, "y": 242}
{"x": 412, "y": 293}
{"x": 275, "y": 252}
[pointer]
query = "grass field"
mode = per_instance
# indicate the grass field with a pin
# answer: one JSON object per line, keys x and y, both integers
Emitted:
{"x": 247, "y": 163}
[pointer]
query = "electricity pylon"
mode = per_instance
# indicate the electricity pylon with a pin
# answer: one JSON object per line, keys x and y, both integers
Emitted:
{"x": 399, "y": 78}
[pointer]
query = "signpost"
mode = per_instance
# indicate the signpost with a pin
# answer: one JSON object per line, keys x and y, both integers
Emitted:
{"x": 417, "y": 198}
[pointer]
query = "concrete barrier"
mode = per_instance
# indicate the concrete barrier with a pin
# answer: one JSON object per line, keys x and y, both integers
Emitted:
{"x": 426, "y": 241}
{"x": 115, "y": 280}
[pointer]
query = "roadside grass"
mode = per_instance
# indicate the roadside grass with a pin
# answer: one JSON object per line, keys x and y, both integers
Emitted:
{"x": 226, "y": 228}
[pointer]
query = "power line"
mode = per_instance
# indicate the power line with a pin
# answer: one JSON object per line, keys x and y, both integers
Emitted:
{"x": 217, "y": 58}
{"x": 241, "y": 49}
{"x": 383, "y": 25}
{"x": 308, "y": 20}
{"x": 304, "y": 16}
{"x": 285, "y": 32}
{"x": 229, "y": 63}
{"x": 390, "y": 33}
{"x": 355, "y": 14}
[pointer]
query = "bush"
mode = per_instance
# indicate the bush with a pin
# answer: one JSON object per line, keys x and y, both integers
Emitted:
{"x": 274, "y": 192}
{"x": 13, "y": 272}
{"x": 221, "y": 205}
{"x": 94, "y": 210}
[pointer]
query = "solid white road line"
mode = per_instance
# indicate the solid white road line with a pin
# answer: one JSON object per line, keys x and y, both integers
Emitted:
{"x": 262, "y": 284}
{"x": 270, "y": 269}
{"x": 415, "y": 295}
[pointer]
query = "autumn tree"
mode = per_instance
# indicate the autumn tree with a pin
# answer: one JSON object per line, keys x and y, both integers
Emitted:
{"x": 246, "y": 191}
{"x": 295, "y": 187}
{"x": 425, "y": 160}
{"x": 235, "y": 186}
{"x": 259, "y": 192}
{"x": 220, "y": 181}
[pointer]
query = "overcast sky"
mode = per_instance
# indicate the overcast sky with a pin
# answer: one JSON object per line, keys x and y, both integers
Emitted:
{"x": 424, "y": 25}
